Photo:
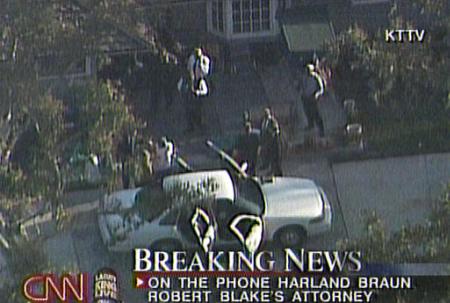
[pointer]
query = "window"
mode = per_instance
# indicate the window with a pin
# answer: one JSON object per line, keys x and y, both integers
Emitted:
{"x": 251, "y": 16}
{"x": 217, "y": 15}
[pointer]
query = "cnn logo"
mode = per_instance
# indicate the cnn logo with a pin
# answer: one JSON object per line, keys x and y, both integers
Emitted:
{"x": 48, "y": 288}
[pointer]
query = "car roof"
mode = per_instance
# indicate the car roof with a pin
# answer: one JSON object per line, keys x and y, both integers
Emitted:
{"x": 223, "y": 184}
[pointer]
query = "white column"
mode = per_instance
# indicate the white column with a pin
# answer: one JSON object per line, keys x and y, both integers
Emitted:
{"x": 273, "y": 11}
{"x": 228, "y": 18}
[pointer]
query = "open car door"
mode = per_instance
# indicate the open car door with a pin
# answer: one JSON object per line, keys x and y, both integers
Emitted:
{"x": 223, "y": 155}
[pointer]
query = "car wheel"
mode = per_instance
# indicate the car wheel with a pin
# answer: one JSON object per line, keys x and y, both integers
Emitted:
{"x": 293, "y": 236}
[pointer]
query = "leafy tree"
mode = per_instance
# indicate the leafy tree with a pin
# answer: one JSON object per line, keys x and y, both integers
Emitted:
{"x": 422, "y": 243}
{"x": 99, "y": 117}
{"x": 402, "y": 90}
{"x": 32, "y": 34}
{"x": 35, "y": 151}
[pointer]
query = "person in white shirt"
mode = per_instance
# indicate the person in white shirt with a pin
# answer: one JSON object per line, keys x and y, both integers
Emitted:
{"x": 198, "y": 68}
{"x": 164, "y": 155}
{"x": 198, "y": 65}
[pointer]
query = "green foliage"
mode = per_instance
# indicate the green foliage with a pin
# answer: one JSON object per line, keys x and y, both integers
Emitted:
{"x": 35, "y": 145}
{"x": 397, "y": 138}
{"x": 47, "y": 113}
{"x": 422, "y": 243}
{"x": 12, "y": 182}
{"x": 428, "y": 242}
{"x": 100, "y": 118}
{"x": 401, "y": 89}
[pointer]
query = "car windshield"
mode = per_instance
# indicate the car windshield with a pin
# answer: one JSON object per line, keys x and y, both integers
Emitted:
{"x": 249, "y": 192}
{"x": 151, "y": 201}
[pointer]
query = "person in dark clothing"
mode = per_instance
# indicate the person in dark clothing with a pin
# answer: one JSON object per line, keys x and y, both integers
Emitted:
{"x": 271, "y": 143}
{"x": 127, "y": 149}
{"x": 276, "y": 156}
{"x": 58, "y": 183}
{"x": 23, "y": 153}
{"x": 312, "y": 91}
{"x": 246, "y": 117}
{"x": 168, "y": 77}
{"x": 153, "y": 68}
{"x": 246, "y": 149}
{"x": 194, "y": 112}
{"x": 195, "y": 103}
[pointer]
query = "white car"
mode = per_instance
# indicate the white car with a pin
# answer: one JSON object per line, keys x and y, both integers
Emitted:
{"x": 285, "y": 209}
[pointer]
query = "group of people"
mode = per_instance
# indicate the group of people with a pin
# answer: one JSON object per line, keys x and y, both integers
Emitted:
{"x": 157, "y": 156}
{"x": 260, "y": 148}
{"x": 153, "y": 156}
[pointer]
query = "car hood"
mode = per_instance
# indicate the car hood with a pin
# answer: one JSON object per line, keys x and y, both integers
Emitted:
{"x": 292, "y": 197}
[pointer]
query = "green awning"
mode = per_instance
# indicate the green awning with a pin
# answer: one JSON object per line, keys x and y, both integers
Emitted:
{"x": 308, "y": 36}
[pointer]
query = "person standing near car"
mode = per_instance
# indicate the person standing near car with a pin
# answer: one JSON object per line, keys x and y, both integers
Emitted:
{"x": 247, "y": 148}
{"x": 58, "y": 183}
{"x": 148, "y": 156}
{"x": 164, "y": 155}
{"x": 271, "y": 143}
{"x": 127, "y": 149}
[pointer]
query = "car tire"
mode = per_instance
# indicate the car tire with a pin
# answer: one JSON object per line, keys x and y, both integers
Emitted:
{"x": 291, "y": 236}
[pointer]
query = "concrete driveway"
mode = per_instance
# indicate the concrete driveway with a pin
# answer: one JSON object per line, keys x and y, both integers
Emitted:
{"x": 401, "y": 191}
